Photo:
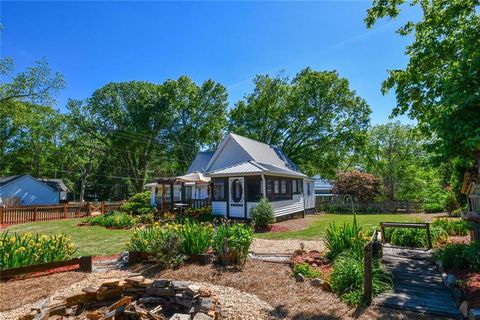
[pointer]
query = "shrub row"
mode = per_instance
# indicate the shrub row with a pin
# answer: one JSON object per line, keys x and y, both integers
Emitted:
{"x": 460, "y": 256}
{"x": 173, "y": 242}
{"x": 113, "y": 219}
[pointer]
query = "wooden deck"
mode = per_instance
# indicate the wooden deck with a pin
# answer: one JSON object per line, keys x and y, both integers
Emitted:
{"x": 418, "y": 285}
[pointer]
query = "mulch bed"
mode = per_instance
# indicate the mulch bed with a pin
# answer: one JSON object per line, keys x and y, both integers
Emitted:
{"x": 314, "y": 259}
{"x": 471, "y": 287}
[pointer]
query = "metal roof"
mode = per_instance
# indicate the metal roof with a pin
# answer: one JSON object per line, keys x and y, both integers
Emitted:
{"x": 55, "y": 184}
{"x": 252, "y": 167}
{"x": 8, "y": 179}
{"x": 200, "y": 162}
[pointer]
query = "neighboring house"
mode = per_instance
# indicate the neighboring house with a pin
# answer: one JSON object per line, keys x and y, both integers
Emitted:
{"x": 31, "y": 191}
{"x": 323, "y": 187}
{"x": 244, "y": 170}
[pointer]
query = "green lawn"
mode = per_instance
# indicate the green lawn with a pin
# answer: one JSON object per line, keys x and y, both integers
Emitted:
{"x": 320, "y": 223}
{"x": 89, "y": 240}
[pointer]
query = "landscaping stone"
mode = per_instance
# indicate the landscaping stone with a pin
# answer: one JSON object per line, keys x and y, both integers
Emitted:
{"x": 111, "y": 283}
{"x": 204, "y": 304}
{"x": 201, "y": 316}
{"x": 192, "y": 289}
{"x": 162, "y": 292}
{"x": 181, "y": 316}
{"x": 136, "y": 281}
{"x": 180, "y": 285}
{"x": 450, "y": 281}
{"x": 161, "y": 283}
{"x": 152, "y": 300}
{"x": 108, "y": 294}
{"x": 464, "y": 308}
{"x": 90, "y": 290}
{"x": 300, "y": 278}
{"x": 474, "y": 314}
{"x": 317, "y": 282}
{"x": 78, "y": 298}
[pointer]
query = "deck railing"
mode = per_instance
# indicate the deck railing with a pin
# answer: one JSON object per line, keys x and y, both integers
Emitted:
{"x": 367, "y": 267}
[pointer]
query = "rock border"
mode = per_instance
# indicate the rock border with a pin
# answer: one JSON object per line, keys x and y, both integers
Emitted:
{"x": 449, "y": 280}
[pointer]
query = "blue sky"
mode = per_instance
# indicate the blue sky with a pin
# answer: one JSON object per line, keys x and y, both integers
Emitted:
{"x": 94, "y": 43}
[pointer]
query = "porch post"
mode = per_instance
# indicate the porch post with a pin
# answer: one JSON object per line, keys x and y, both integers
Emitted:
{"x": 264, "y": 186}
{"x": 153, "y": 196}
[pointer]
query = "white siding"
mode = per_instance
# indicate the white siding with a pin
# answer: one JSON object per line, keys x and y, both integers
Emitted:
{"x": 309, "y": 198}
{"x": 281, "y": 208}
{"x": 230, "y": 154}
{"x": 250, "y": 205}
{"x": 30, "y": 191}
{"x": 219, "y": 208}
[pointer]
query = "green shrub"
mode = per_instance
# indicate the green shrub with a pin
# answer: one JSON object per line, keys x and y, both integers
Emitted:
{"x": 113, "y": 219}
{"x": 433, "y": 207}
{"x": 306, "y": 270}
{"x": 240, "y": 237}
{"x": 456, "y": 213}
{"x": 460, "y": 256}
{"x": 138, "y": 204}
{"x": 346, "y": 279}
{"x": 196, "y": 237}
{"x": 452, "y": 227}
{"x": 141, "y": 240}
{"x": 18, "y": 250}
{"x": 168, "y": 247}
{"x": 203, "y": 214}
{"x": 415, "y": 238}
{"x": 262, "y": 214}
{"x": 341, "y": 238}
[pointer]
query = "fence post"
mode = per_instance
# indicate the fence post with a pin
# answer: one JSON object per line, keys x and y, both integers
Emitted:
{"x": 367, "y": 277}
{"x": 88, "y": 209}
{"x": 383, "y": 233}
{"x": 65, "y": 210}
{"x": 85, "y": 263}
{"x": 1, "y": 215}
{"x": 34, "y": 213}
{"x": 429, "y": 238}
{"x": 102, "y": 207}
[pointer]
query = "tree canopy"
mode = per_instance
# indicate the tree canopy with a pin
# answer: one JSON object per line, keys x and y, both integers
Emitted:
{"x": 440, "y": 87}
{"x": 315, "y": 118}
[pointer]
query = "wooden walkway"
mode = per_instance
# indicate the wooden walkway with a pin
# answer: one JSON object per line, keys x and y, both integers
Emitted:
{"x": 417, "y": 284}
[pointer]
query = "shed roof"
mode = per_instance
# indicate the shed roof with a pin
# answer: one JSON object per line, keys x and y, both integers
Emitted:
{"x": 55, "y": 184}
{"x": 7, "y": 179}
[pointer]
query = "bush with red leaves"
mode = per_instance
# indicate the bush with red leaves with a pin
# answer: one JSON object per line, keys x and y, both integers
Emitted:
{"x": 361, "y": 185}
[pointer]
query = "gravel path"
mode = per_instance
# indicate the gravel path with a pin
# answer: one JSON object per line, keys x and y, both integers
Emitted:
{"x": 284, "y": 246}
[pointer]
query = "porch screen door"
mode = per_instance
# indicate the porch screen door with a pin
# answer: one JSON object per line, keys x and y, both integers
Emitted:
{"x": 237, "y": 197}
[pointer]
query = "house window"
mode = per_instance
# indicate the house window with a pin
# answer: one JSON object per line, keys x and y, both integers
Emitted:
{"x": 254, "y": 189}
{"x": 276, "y": 188}
{"x": 219, "y": 190}
{"x": 279, "y": 189}
{"x": 283, "y": 184}
{"x": 294, "y": 186}
{"x": 309, "y": 192}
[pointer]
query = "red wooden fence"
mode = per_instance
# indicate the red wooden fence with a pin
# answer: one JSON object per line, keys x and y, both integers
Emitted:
{"x": 14, "y": 215}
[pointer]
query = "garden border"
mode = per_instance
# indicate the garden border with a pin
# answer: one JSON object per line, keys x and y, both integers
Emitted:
{"x": 85, "y": 265}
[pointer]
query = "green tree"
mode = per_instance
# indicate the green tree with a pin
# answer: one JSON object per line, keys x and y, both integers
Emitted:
{"x": 316, "y": 119}
{"x": 440, "y": 87}
{"x": 397, "y": 153}
{"x": 199, "y": 117}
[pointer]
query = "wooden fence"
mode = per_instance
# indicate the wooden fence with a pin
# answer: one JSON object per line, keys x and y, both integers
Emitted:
{"x": 14, "y": 215}
{"x": 198, "y": 203}
{"x": 337, "y": 204}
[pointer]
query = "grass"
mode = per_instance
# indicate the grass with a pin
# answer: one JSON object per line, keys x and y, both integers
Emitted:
{"x": 89, "y": 240}
{"x": 316, "y": 230}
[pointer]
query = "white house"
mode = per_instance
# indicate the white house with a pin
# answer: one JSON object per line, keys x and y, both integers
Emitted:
{"x": 27, "y": 190}
{"x": 244, "y": 170}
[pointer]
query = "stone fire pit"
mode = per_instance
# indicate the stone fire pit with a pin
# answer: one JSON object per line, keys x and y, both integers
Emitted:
{"x": 133, "y": 298}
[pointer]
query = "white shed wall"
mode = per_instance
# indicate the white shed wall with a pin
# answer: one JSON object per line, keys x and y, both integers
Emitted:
{"x": 309, "y": 198}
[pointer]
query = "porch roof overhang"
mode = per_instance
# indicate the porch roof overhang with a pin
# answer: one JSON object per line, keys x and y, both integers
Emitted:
{"x": 251, "y": 168}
